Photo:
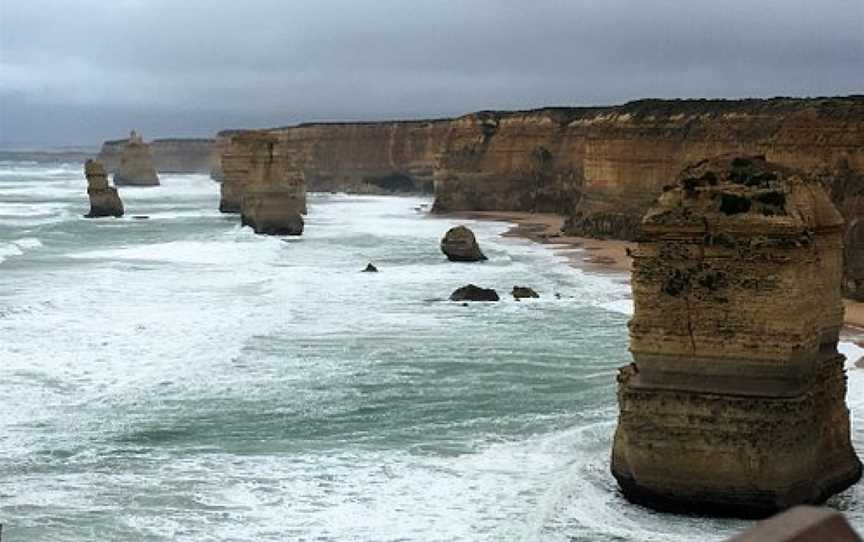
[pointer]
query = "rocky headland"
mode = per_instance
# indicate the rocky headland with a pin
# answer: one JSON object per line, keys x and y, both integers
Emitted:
{"x": 599, "y": 167}
{"x": 735, "y": 401}
{"x": 104, "y": 200}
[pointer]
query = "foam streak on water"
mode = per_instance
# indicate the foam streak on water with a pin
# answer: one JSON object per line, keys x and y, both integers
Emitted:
{"x": 179, "y": 378}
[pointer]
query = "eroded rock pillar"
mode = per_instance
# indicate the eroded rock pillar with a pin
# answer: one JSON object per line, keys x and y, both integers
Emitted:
{"x": 270, "y": 187}
{"x": 735, "y": 401}
{"x": 104, "y": 200}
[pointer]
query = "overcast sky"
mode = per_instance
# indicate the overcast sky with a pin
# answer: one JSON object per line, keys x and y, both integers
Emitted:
{"x": 80, "y": 71}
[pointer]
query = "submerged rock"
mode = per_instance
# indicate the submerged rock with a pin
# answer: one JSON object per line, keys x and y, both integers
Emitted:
{"x": 370, "y": 268}
{"x": 460, "y": 245}
{"x": 734, "y": 404}
{"x": 474, "y": 293}
{"x": 523, "y": 292}
{"x": 104, "y": 200}
{"x": 136, "y": 164}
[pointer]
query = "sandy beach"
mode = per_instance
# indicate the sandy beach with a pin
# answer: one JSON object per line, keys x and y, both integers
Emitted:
{"x": 602, "y": 255}
{"x": 607, "y": 255}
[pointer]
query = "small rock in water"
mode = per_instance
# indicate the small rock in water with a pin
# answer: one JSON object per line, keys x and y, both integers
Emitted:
{"x": 460, "y": 245}
{"x": 474, "y": 293}
{"x": 523, "y": 292}
{"x": 370, "y": 268}
{"x": 140, "y": 217}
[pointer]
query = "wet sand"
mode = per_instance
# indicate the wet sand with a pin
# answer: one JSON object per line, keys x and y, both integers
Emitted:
{"x": 583, "y": 252}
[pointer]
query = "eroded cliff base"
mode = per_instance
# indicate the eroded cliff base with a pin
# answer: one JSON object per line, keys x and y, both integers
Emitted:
{"x": 715, "y": 454}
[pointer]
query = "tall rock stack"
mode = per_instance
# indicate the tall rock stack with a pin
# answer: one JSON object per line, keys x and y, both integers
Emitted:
{"x": 734, "y": 404}
{"x": 236, "y": 161}
{"x": 104, "y": 200}
{"x": 136, "y": 164}
{"x": 271, "y": 189}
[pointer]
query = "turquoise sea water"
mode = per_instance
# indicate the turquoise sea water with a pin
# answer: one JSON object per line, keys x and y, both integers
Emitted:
{"x": 180, "y": 378}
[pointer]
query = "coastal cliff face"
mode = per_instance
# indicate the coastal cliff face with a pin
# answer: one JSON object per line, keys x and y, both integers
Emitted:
{"x": 603, "y": 167}
{"x": 735, "y": 402}
{"x": 600, "y": 167}
{"x": 373, "y": 157}
{"x": 175, "y": 155}
{"x": 379, "y": 158}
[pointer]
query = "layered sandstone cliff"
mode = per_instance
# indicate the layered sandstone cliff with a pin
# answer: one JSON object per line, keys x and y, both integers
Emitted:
{"x": 735, "y": 401}
{"x": 104, "y": 200}
{"x": 173, "y": 155}
{"x": 602, "y": 167}
{"x": 270, "y": 187}
{"x": 364, "y": 157}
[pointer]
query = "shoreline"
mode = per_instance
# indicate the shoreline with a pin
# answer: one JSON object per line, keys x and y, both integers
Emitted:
{"x": 608, "y": 255}
{"x": 601, "y": 255}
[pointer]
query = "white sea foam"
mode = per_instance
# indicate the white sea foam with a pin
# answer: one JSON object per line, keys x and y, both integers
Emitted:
{"x": 185, "y": 378}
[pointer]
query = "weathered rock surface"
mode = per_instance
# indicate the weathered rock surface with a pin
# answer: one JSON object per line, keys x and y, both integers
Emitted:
{"x": 170, "y": 155}
{"x": 136, "y": 164}
{"x": 104, "y": 200}
{"x": 474, "y": 293}
{"x": 735, "y": 401}
{"x": 523, "y": 292}
{"x": 600, "y": 166}
{"x": 801, "y": 524}
{"x": 460, "y": 245}
{"x": 273, "y": 190}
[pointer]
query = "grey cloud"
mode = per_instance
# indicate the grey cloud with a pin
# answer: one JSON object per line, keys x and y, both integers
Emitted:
{"x": 89, "y": 69}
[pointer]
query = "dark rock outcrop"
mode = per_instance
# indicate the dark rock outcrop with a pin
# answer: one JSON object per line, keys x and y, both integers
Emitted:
{"x": 460, "y": 245}
{"x": 136, "y": 164}
{"x": 370, "y": 268}
{"x": 104, "y": 200}
{"x": 474, "y": 293}
{"x": 734, "y": 404}
{"x": 523, "y": 292}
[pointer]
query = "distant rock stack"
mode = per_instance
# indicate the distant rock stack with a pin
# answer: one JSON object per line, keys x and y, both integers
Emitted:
{"x": 734, "y": 404}
{"x": 136, "y": 164}
{"x": 273, "y": 191}
{"x": 104, "y": 200}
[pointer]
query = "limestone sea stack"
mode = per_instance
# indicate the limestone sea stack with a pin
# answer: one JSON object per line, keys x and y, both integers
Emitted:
{"x": 735, "y": 402}
{"x": 104, "y": 200}
{"x": 460, "y": 245}
{"x": 273, "y": 191}
{"x": 239, "y": 148}
{"x": 136, "y": 164}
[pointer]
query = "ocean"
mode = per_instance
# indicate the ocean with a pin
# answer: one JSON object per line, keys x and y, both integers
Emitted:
{"x": 178, "y": 378}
